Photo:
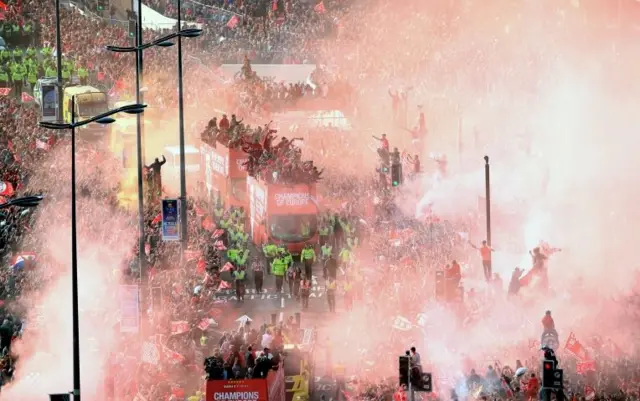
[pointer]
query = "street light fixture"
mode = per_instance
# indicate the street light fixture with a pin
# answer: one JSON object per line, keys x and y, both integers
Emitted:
{"x": 164, "y": 41}
{"x": 104, "y": 118}
{"x": 27, "y": 201}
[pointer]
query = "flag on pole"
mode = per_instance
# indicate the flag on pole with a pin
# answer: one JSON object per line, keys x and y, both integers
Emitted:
{"x": 233, "y": 22}
{"x": 26, "y": 98}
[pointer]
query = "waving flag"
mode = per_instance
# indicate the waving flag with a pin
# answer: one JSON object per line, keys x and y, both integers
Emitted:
{"x": 224, "y": 285}
{"x": 23, "y": 260}
{"x": 208, "y": 224}
{"x": 172, "y": 356}
{"x": 227, "y": 266}
{"x": 217, "y": 233}
{"x": 26, "y": 98}
{"x": 233, "y": 22}
{"x": 179, "y": 327}
{"x": 576, "y": 348}
{"x": 6, "y": 189}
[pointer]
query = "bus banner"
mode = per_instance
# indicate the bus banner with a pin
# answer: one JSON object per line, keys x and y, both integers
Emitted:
{"x": 237, "y": 390}
{"x": 297, "y": 199}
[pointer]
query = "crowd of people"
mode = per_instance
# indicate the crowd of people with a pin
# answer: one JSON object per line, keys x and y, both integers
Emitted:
{"x": 393, "y": 243}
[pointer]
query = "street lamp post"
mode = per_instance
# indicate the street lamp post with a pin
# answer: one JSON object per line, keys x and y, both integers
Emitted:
{"x": 487, "y": 197}
{"x": 183, "y": 174}
{"x": 59, "y": 63}
{"x": 104, "y": 118}
{"x": 164, "y": 41}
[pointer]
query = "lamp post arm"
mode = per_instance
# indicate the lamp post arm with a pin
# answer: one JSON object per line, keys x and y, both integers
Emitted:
{"x": 109, "y": 113}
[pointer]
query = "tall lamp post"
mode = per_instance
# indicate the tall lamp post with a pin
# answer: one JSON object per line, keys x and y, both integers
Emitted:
{"x": 104, "y": 118}
{"x": 165, "y": 41}
{"x": 487, "y": 197}
{"x": 59, "y": 64}
{"x": 183, "y": 174}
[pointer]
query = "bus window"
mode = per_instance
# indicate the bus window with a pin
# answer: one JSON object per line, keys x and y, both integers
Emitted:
{"x": 293, "y": 228}
{"x": 239, "y": 189}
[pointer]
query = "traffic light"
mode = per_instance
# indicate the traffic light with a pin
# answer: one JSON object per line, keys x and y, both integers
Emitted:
{"x": 132, "y": 28}
{"x": 396, "y": 174}
{"x": 102, "y": 5}
{"x": 548, "y": 369}
{"x": 403, "y": 370}
{"x": 424, "y": 384}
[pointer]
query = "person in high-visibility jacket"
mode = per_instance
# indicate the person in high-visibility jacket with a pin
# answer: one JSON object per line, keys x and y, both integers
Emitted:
{"x": 279, "y": 268}
{"x": 242, "y": 258}
{"x": 233, "y": 254}
{"x": 270, "y": 252}
{"x": 326, "y": 251}
{"x": 323, "y": 232}
{"x": 345, "y": 257}
{"x": 308, "y": 257}
{"x": 239, "y": 277}
{"x": 196, "y": 397}
{"x": 288, "y": 258}
{"x": 348, "y": 294}
{"x": 331, "y": 294}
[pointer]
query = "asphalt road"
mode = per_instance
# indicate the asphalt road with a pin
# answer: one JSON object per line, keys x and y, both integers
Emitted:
{"x": 260, "y": 307}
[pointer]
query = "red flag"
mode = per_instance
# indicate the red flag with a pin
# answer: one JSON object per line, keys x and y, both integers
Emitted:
{"x": 208, "y": 224}
{"x": 217, "y": 233}
{"x": 178, "y": 392}
{"x": 157, "y": 219}
{"x": 179, "y": 327}
{"x": 26, "y": 98}
{"x": 3, "y": 6}
{"x": 586, "y": 366}
{"x": 319, "y": 8}
{"x": 42, "y": 145}
{"x": 224, "y": 286}
{"x": 577, "y": 349}
{"x": 228, "y": 266}
{"x": 4, "y": 91}
{"x": 204, "y": 324}
{"x": 6, "y": 189}
{"x": 201, "y": 266}
{"x": 173, "y": 356}
{"x": 233, "y": 22}
{"x": 589, "y": 393}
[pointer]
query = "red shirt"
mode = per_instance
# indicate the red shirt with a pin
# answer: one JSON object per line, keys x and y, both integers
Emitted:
{"x": 485, "y": 252}
{"x": 548, "y": 323}
{"x": 385, "y": 143}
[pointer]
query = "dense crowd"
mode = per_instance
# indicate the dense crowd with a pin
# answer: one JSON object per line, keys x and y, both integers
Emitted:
{"x": 363, "y": 218}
